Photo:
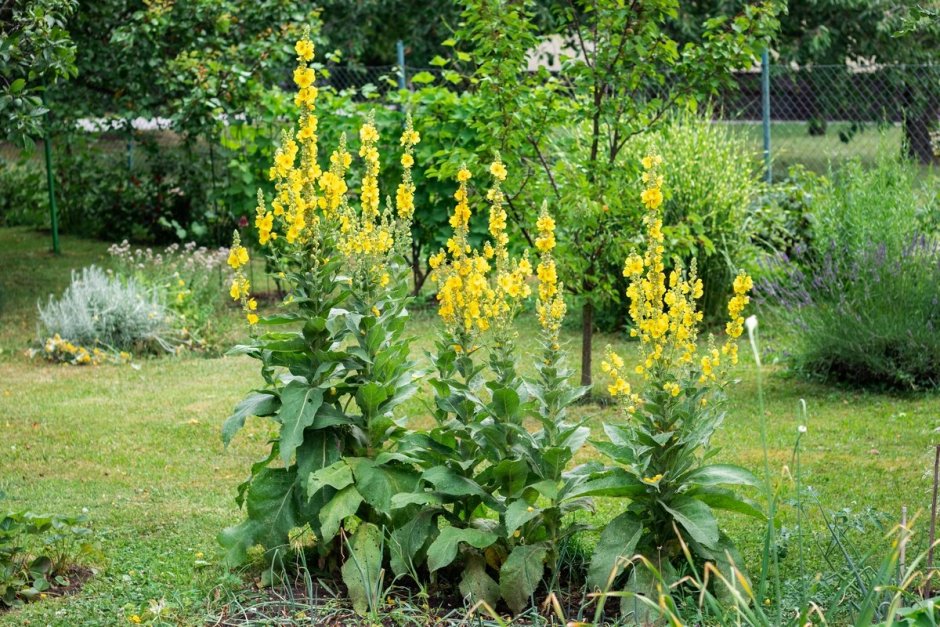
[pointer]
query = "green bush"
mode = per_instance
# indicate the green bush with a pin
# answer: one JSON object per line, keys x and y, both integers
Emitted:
{"x": 23, "y": 196}
{"x": 860, "y": 303}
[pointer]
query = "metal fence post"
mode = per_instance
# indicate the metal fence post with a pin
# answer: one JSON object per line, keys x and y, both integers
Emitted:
{"x": 400, "y": 50}
{"x": 50, "y": 180}
{"x": 765, "y": 109}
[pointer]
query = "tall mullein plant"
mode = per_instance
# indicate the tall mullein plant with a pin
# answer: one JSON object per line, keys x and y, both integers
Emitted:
{"x": 662, "y": 449}
{"x": 334, "y": 358}
{"x": 494, "y": 491}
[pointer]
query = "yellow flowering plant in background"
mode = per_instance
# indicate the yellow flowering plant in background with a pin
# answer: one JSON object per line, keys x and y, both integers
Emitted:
{"x": 334, "y": 361}
{"x": 662, "y": 447}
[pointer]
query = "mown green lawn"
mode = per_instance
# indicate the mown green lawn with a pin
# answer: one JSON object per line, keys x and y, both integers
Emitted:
{"x": 139, "y": 447}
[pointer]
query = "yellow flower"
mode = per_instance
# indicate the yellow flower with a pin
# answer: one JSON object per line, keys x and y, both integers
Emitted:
{"x": 252, "y": 318}
{"x": 304, "y": 49}
{"x": 407, "y": 160}
{"x": 237, "y": 256}
{"x": 134, "y": 618}
{"x": 652, "y": 197}
{"x": 463, "y": 175}
{"x": 304, "y": 77}
{"x": 498, "y": 170}
{"x": 252, "y": 304}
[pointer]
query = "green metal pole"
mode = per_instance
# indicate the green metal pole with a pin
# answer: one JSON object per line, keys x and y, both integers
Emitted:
{"x": 400, "y": 51}
{"x": 50, "y": 181}
{"x": 765, "y": 108}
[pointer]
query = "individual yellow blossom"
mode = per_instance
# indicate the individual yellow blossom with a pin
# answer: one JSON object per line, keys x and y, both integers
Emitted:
{"x": 304, "y": 49}
{"x": 304, "y": 77}
{"x": 463, "y": 175}
{"x": 407, "y": 160}
{"x": 237, "y": 257}
{"x": 498, "y": 170}
{"x": 252, "y": 318}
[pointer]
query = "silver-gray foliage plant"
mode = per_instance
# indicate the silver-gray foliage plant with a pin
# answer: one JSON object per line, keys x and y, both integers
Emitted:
{"x": 100, "y": 309}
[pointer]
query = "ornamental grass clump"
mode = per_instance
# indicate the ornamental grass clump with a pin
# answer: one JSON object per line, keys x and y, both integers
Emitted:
{"x": 662, "y": 447}
{"x": 99, "y": 315}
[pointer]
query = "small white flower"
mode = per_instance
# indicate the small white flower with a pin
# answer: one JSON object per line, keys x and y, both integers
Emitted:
{"x": 751, "y": 323}
{"x": 801, "y": 428}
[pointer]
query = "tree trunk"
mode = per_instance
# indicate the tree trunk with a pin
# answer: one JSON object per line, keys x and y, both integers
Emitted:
{"x": 587, "y": 338}
{"x": 917, "y": 127}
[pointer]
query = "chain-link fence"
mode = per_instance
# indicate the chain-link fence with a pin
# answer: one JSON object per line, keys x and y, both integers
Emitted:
{"x": 828, "y": 114}
{"x": 817, "y": 116}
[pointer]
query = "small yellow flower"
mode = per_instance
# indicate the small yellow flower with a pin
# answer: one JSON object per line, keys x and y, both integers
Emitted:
{"x": 304, "y": 49}
{"x": 407, "y": 160}
{"x": 252, "y": 318}
{"x": 463, "y": 175}
{"x": 498, "y": 170}
{"x": 134, "y": 618}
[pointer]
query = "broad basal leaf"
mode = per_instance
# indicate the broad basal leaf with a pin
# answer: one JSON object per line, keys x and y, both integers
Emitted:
{"x": 407, "y": 542}
{"x": 363, "y": 568}
{"x": 696, "y": 517}
{"x": 476, "y": 585}
{"x": 521, "y": 574}
{"x": 344, "y": 503}
{"x": 617, "y": 545}
{"x": 337, "y": 476}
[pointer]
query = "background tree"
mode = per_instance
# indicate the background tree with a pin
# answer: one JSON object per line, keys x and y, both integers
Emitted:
{"x": 847, "y": 32}
{"x": 562, "y": 133}
{"x": 35, "y": 51}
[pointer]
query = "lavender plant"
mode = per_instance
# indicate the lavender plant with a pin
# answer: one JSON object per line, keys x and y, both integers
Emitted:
{"x": 860, "y": 298}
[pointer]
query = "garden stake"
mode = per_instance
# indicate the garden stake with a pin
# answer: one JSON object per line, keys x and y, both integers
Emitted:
{"x": 933, "y": 516}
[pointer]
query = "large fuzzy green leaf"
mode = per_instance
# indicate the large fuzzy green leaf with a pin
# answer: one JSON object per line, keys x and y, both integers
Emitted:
{"x": 271, "y": 514}
{"x": 299, "y": 405}
{"x": 719, "y": 474}
{"x": 444, "y": 548}
{"x": 615, "y": 482}
{"x": 617, "y": 544}
{"x": 695, "y": 517}
{"x": 476, "y": 584}
{"x": 719, "y": 498}
{"x": 378, "y": 483}
{"x": 363, "y": 568}
{"x": 407, "y": 541}
{"x": 337, "y": 476}
{"x": 521, "y": 574}
{"x": 519, "y": 513}
{"x": 276, "y": 499}
{"x": 255, "y": 404}
{"x": 344, "y": 503}
{"x": 448, "y": 482}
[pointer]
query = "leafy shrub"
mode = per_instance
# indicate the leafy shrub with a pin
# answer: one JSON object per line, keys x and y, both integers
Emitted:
{"x": 186, "y": 278}
{"x": 98, "y": 310}
{"x": 860, "y": 300}
{"x": 24, "y": 200}
{"x": 36, "y": 551}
